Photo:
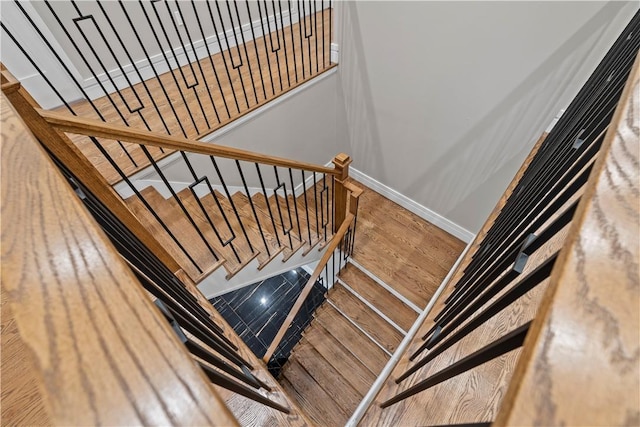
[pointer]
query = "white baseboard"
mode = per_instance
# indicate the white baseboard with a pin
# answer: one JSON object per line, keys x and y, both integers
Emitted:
{"x": 414, "y": 207}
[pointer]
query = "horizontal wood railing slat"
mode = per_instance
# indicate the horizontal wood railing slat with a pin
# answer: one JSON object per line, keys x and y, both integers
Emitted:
{"x": 99, "y": 129}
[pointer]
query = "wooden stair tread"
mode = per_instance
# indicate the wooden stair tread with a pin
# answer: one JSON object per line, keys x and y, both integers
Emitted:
{"x": 232, "y": 264}
{"x": 353, "y": 371}
{"x": 313, "y": 400}
{"x": 400, "y": 260}
{"x": 175, "y": 222}
{"x": 361, "y": 346}
{"x": 327, "y": 377}
{"x": 241, "y": 202}
{"x": 378, "y": 328}
{"x": 266, "y": 218}
{"x": 392, "y": 307}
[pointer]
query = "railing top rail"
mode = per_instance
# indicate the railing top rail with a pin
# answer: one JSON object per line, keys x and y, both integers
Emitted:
{"x": 99, "y": 129}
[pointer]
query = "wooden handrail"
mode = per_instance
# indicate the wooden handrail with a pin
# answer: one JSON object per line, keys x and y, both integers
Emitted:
{"x": 97, "y": 348}
{"x": 96, "y": 128}
{"x": 335, "y": 241}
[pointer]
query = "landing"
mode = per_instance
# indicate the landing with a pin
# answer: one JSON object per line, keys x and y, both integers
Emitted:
{"x": 408, "y": 253}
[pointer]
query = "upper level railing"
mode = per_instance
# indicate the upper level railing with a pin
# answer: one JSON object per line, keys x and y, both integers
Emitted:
{"x": 182, "y": 68}
{"x": 551, "y": 275}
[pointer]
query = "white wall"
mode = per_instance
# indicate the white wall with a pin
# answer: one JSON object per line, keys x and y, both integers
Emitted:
{"x": 301, "y": 127}
{"x": 444, "y": 100}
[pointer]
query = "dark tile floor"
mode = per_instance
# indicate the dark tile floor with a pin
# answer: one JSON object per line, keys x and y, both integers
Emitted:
{"x": 257, "y": 311}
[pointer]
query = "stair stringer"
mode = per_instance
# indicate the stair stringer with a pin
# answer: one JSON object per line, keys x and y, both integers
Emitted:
{"x": 217, "y": 284}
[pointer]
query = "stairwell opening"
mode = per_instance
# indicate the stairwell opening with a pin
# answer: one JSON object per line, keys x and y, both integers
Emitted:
{"x": 256, "y": 313}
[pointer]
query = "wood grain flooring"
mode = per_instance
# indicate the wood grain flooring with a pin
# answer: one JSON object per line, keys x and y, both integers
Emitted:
{"x": 374, "y": 325}
{"x": 200, "y": 255}
{"x": 391, "y": 306}
{"x": 406, "y": 252}
{"x": 198, "y": 111}
{"x": 347, "y": 336}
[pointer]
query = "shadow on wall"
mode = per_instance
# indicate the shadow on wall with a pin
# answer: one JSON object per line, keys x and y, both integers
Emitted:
{"x": 361, "y": 120}
{"x": 467, "y": 177}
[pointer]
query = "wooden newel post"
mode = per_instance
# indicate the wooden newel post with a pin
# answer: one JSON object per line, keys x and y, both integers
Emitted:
{"x": 341, "y": 164}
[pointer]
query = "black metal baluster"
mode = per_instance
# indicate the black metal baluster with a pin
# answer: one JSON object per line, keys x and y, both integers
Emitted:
{"x": 295, "y": 203}
{"x": 266, "y": 49}
{"x": 234, "y": 66}
{"x": 196, "y": 82}
{"x": 244, "y": 44}
{"x": 324, "y": 49}
{"x": 330, "y": 28}
{"x": 224, "y": 58}
{"x": 177, "y": 199}
{"x": 315, "y": 197}
{"x": 223, "y": 242}
{"x": 300, "y": 23}
{"x": 197, "y": 61}
{"x": 306, "y": 206}
{"x": 84, "y": 59}
{"x": 242, "y": 390}
{"x": 233, "y": 205}
{"x": 503, "y": 345}
{"x": 583, "y": 114}
{"x": 266, "y": 201}
{"x": 91, "y": 18}
{"x": 532, "y": 280}
{"x": 253, "y": 208}
{"x": 155, "y": 72}
{"x": 167, "y": 288}
{"x": 64, "y": 29}
{"x": 146, "y": 204}
{"x": 307, "y": 35}
{"x": 255, "y": 47}
{"x": 529, "y": 246}
{"x": 210, "y": 57}
{"x": 286, "y": 232}
{"x": 273, "y": 50}
{"x": 293, "y": 44}
{"x": 284, "y": 39}
{"x": 315, "y": 32}
{"x": 131, "y": 61}
{"x": 166, "y": 59}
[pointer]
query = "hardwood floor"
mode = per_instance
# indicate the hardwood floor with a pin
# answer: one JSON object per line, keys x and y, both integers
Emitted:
{"x": 409, "y": 254}
{"x": 195, "y": 112}
{"x": 362, "y": 322}
{"x": 392, "y": 307}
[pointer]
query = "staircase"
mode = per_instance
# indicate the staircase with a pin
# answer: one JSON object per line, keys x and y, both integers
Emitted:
{"x": 536, "y": 324}
{"x": 355, "y": 332}
{"x": 345, "y": 348}
{"x": 223, "y": 223}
